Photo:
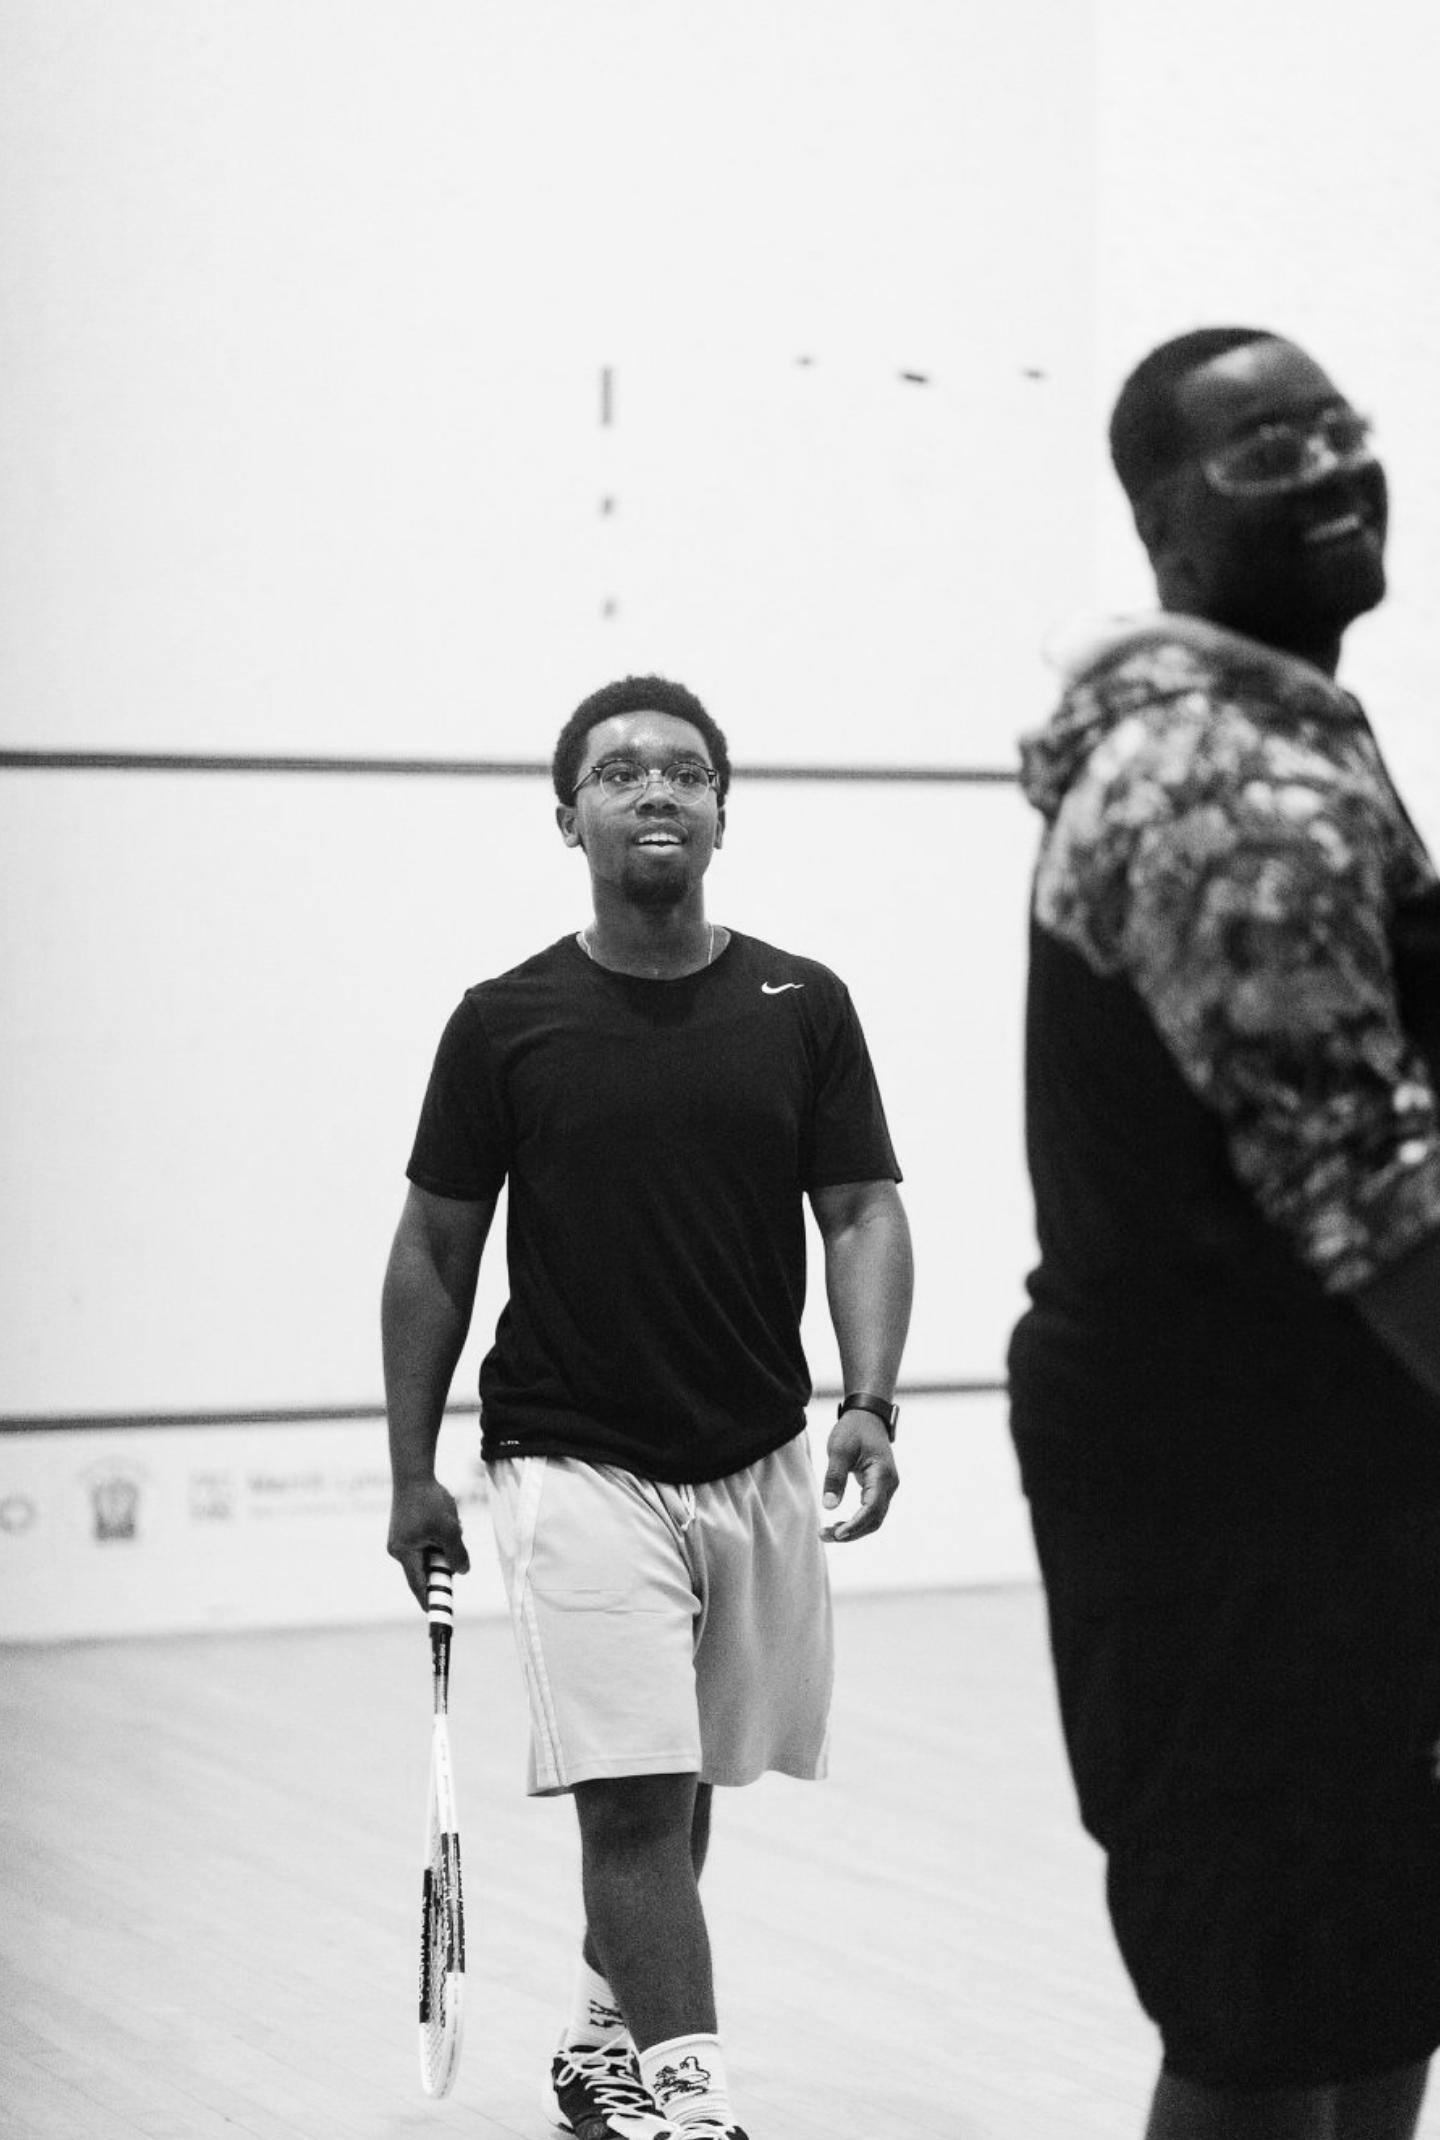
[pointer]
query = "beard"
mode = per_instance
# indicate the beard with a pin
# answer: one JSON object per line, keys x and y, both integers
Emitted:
{"x": 1276, "y": 583}
{"x": 1277, "y": 599}
{"x": 655, "y": 890}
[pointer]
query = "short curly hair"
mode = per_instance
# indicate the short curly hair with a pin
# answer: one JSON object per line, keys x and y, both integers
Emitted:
{"x": 633, "y": 694}
{"x": 1147, "y": 437}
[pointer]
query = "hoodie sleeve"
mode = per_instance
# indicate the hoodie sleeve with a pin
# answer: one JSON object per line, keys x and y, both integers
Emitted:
{"x": 1238, "y": 877}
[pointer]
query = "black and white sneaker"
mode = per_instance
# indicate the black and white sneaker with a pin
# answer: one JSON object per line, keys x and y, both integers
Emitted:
{"x": 596, "y": 2093}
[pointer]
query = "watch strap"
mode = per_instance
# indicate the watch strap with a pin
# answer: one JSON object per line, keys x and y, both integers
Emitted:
{"x": 866, "y": 1401}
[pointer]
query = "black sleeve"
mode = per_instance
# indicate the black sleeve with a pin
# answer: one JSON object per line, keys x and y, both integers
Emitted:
{"x": 462, "y": 1146}
{"x": 849, "y": 1139}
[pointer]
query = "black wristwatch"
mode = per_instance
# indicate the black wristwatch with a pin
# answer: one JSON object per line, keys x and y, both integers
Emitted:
{"x": 887, "y": 1413}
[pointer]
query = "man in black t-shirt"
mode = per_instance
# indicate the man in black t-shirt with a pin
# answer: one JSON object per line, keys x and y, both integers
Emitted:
{"x": 1226, "y": 1390}
{"x": 659, "y": 1095}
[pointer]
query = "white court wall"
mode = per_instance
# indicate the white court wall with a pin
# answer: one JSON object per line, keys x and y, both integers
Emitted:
{"x": 1278, "y": 166}
{"x": 263, "y": 1525}
{"x": 307, "y": 307}
{"x": 218, "y": 1093}
{"x": 217, "y": 1097}
{"x": 309, "y": 304}
{"x": 302, "y": 427}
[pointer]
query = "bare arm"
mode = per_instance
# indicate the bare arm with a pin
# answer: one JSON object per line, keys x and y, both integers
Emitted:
{"x": 425, "y": 1309}
{"x": 869, "y": 1280}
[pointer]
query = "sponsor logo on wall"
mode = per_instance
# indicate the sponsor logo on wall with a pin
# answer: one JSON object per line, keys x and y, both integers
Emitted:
{"x": 114, "y": 1493}
{"x": 316, "y": 1490}
{"x": 117, "y": 1493}
{"x": 128, "y": 1514}
{"x": 213, "y": 1496}
{"x": 18, "y": 1513}
{"x": 278, "y": 1493}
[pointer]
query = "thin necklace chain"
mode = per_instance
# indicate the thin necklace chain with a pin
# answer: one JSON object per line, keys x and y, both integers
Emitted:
{"x": 582, "y": 938}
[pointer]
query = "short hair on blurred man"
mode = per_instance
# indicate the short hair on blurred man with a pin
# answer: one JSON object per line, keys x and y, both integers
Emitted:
{"x": 1147, "y": 437}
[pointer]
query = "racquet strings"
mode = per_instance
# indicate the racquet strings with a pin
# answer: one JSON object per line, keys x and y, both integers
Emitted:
{"x": 442, "y": 1946}
{"x": 442, "y": 1931}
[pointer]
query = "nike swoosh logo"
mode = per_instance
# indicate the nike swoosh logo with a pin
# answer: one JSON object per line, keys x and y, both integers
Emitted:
{"x": 778, "y": 988}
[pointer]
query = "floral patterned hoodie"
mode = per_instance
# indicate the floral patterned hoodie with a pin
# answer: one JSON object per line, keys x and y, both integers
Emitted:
{"x": 1221, "y": 831}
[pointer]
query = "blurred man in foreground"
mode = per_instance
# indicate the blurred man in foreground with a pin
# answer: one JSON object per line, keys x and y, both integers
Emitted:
{"x": 1226, "y": 1389}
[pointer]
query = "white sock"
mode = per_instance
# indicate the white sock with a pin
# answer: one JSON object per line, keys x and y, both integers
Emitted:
{"x": 687, "y": 2078}
{"x": 595, "y": 2014}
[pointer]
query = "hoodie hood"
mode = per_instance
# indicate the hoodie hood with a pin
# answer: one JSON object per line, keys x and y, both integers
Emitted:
{"x": 1125, "y": 665}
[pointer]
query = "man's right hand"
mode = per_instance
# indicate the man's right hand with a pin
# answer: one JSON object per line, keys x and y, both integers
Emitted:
{"x": 424, "y": 1519}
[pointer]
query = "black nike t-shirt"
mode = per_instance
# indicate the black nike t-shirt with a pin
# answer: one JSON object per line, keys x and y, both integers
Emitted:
{"x": 657, "y": 1138}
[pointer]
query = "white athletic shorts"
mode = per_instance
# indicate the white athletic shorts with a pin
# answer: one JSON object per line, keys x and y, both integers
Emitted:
{"x": 666, "y": 1629}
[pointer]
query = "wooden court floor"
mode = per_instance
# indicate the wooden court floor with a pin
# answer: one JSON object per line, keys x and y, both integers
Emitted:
{"x": 209, "y": 1917}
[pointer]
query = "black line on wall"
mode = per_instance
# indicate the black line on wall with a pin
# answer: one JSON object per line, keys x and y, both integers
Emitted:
{"x": 319, "y": 1415}
{"x": 107, "y": 761}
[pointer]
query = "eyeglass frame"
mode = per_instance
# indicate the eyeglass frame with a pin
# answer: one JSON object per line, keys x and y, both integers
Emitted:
{"x": 651, "y": 773}
{"x": 1212, "y": 465}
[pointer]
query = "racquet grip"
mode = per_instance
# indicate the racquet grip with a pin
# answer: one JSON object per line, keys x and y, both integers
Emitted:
{"x": 439, "y": 1590}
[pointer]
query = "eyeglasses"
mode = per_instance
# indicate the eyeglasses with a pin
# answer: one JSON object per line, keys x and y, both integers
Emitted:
{"x": 687, "y": 779}
{"x": 1281, "y": 457}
